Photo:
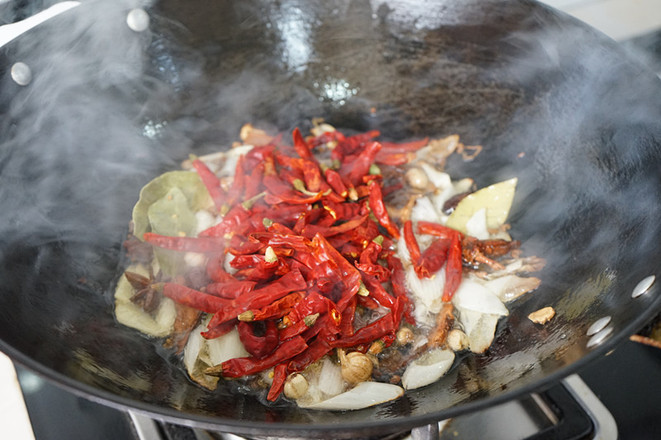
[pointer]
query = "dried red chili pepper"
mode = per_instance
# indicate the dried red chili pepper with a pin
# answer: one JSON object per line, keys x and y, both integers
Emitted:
{"x": 312, "y": 176}
{"x": 253, "y": 183}
{"x": 435, "y": 256}
{"x": 258, "y": 346}
{"x": 186, "y": 244}
{"x": 230, "y": 289}
{"x": 311, "y": 304}
{"x": 301, "y": 146}
{"x": 335, "y": 182}
{"x": 292, "y": 197}
{"x": 368, "y": 262}
{"x": 413, "y": 248}
{"x": 453, "y": 268}
{"x": 252, "y": 260}
{"x": 323, "y": 251}
{"x": 246, "y": 366}
{"x": 236, "y": 215}
{"x": 310, "y": 231}
{"x": 290, "y": 282}
{"x": 215, "y": 270}
{"x": 240, "y": 245}
{"x": 404, "y": 147}
{"x": 437, "y": 230}
{"x": 348, "y": 318}
{"x": 276, "y": 309}
{"x": 219, "y": 330}
{"x": 298, "y": 327}
{"x": 375, "y": 330}
{"x": 278, "y": 384}
{"x": 343, "y": 211}
{"x": 352, "y": 171}
{"x": 378, "y": 292}
{"x": 211, "y": 182}
{"x": 315, "y": 351}
{"x": 238, "y": 182}
{"x": 379, "y": 209}
{"x": 352, "y": 144}
{"x": 193, "y": 298}
{"x": 393, "y": 159}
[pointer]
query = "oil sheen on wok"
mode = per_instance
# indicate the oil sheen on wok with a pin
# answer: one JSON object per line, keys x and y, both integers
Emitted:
{"x": 332, "y": 270}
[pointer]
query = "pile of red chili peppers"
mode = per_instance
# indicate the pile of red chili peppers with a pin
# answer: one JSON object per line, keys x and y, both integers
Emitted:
{"x": 310, "y": 244}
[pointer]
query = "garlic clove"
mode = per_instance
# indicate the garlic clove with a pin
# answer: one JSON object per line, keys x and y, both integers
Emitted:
{"x": 356, "y": 367}
{"x": 296, "y": 386}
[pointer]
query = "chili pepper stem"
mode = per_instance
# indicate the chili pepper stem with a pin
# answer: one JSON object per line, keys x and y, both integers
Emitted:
{"x": 246, "y": 316}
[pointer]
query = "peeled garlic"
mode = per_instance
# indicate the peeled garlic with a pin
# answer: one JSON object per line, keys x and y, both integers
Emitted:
{"x": 356, "y": 367}
{"x": 417, "y": 178}
{"x": 457, "y": 340}
{"x": 405, "y": 336}
{"x": 296, "y": 386}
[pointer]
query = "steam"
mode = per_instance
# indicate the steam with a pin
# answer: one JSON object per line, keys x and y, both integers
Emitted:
{"x": 109, "y": 107}
{"x": 71, "y": 141}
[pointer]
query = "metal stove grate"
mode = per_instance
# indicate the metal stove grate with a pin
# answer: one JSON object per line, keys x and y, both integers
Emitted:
{"x": 568, "y": 411}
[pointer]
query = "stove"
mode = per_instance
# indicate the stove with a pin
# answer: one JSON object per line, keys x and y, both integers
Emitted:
{"x": 616, "y": 397}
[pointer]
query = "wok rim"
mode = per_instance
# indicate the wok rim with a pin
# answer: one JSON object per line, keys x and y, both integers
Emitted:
{"x": 397, "y": 424}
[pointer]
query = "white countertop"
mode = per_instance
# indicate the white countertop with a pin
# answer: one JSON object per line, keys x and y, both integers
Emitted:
{"x": 619, "y": 19}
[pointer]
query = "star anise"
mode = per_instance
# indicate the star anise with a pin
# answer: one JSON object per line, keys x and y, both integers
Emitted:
{"x": 146, "y": 296}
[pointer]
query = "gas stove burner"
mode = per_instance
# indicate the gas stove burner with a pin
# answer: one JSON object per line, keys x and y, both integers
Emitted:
{"x": 569, "y": 410}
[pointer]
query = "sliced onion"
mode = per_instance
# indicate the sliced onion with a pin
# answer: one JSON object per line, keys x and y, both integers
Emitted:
{"x": 510, "y": 287}
{"x": 424, "y": 210}
{"x": 194, "y": 347}
{"x": 427, "y": 292}
{"x": 427, "y": 369}
{"x": 474, "y": 296}
{"x": 330, "y": 378}
{"x": 438, "y": 178}
{"x": 225, "y": 347}
{"x": 363, "y": 395}
{"x": 196, "y": 359}
{"x": 479, "y": 327}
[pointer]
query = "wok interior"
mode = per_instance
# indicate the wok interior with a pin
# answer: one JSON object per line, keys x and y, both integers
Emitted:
{"x": 551, "y": 101}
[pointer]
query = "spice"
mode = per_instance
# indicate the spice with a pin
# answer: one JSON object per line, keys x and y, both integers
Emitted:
{"x": 310, "y": 247}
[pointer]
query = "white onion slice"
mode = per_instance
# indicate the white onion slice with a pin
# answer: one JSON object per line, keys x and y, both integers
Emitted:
{"x": 510, "y": 287}
{"x": 330, "y": 378}
{"x": 193, "y": 348}
{"x": 363, "y": 395}
{"x": 424, "y": 210}
{"x": 427, "y": 292}
{"x": 479, "y": 327}
{"x": 473, "y": 296}
{"x": 427, "y": 369}
{"x": 438, "y": 178}
{"x": 225, "y": 347}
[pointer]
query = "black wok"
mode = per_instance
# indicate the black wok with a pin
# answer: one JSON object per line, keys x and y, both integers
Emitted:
{"x": 553, "y": 102}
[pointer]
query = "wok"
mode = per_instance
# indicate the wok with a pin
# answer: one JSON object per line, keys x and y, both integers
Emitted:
{"x": 552, "y": 101}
